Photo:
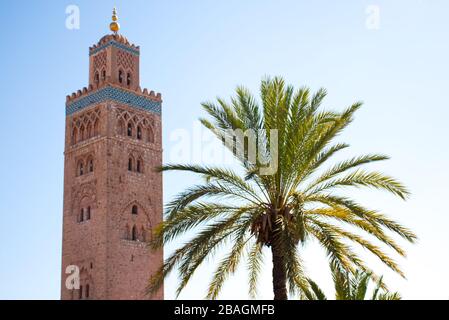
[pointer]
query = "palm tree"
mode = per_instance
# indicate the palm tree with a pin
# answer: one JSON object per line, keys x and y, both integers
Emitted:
{"x": 352, "y": 287}
{"x": 283, "y": 209}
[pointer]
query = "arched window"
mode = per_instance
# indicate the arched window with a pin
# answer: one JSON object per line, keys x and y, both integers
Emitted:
{"x": 134, "y": 234}
{"x": 120, "y": 76}
{"x": 82, "y": 133}
{"x": 89, "y": 131}
{"x": 138, "y": 168}
{"x": 96, "y": 78}
{"x": 80, "y": 169}
{"x": 80, "y": 293}
{"x": 88, "y": 213}
{"x": 91, "y": 165}
{"x": 96, "y": 128}
{"x": 130, "y": 130}
{"x": 134, "y": 209}
{"x": 130, "y": 164}
{"x": 103, "y": 75}
{"x": 81, "y": 215}
{"x": 87, "y": 291}
{"x": 150, "y": 135}
{"x": 139, "y": 133}
{"x": 128, "y": 78}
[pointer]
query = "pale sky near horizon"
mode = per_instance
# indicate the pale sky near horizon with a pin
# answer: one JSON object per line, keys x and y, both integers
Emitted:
{"x": 192, "y": 51}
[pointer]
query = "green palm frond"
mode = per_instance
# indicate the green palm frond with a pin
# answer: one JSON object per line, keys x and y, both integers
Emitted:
{"x": 366, "y": 179}
{"x": 283, "y": 211}
{"x": 318, "y": 294}
{"x": 390, "y": 296}
{"x": 351, "y": 286}
{"x": 344, "y": 166}
{"x": 228, "y": 265}
{"x": 255, "y": 261}
{"x": 364, "y": 243}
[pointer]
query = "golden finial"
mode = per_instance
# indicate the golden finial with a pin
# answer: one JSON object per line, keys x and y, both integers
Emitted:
{"x": 114, "y": 26}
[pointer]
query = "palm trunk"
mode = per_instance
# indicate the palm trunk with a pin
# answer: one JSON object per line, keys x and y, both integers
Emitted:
{"x": 279, "y": 272}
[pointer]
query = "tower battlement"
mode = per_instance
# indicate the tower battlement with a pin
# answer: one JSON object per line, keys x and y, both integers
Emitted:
{"x": 92, "y": 88}
{"x": 143, "y": 99}
{"x": 117, "y": 40}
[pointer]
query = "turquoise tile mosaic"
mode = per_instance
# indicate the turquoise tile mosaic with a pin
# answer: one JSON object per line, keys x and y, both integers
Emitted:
{"x": 115, "y": 94}
{"x": 117, "y": 45}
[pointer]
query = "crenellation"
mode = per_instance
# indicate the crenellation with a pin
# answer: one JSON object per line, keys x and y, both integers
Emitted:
{"x": 87, "y": 90}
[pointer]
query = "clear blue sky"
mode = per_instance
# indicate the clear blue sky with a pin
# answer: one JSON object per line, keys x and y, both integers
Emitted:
{"x": 192, "y": 51}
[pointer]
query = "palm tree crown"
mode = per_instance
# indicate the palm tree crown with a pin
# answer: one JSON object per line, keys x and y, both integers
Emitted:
{"x": 282, "y": 209}
{"x": 350, "y": 286}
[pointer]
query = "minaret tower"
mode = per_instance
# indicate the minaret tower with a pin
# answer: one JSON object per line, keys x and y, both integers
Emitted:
{"x": 112, "y": 195}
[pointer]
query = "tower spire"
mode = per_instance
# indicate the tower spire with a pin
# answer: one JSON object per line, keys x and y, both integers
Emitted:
{"x": 114, "y": 26}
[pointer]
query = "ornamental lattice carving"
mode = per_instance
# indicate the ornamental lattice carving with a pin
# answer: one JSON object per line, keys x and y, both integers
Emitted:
{"x": 100, "y": 61}
{"x": 85, "y": 192}
{"x": 125, "y": 60}
{"x": 139, "y": 123}
{"x": 85, "y": 126}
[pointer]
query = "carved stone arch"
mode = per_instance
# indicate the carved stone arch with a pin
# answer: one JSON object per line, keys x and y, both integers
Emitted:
{"x": 142, "y": 210}
{"x": 84, "y": 195}
{"x": 150, "y": 134}
{"x": 90, "y": 163}
{"x": 130, "y": 128}
{"x": 144, "y": 122}
{"x": 86, "y": 200}
{"x": 82, "y": 133}
{"x": 90, "y": 191}
{"x": 86, "y": 282}
{"x": 85, "y": 118}
{"x": 85, "y": 208}
{"x": 86, "y": 191}
{"x": 135, "y": 154}
{"x": 89, "y": 133}
{"x": 139, "y": 132}
{"x": 74, "y": 134}
{"x": 141, "y": 221}
{"x": 121, "y": 76}
{"x": 129, "y": 77}
{"x": 96, "y": 127}
{"x": 80, "y": 167}
{"x": 95, "y": 114}
{"x": 140, "y": 164}
{"x": 134, "y": 233}
{"x": 92, "y": 117}
{"x": 97, "y": 77}
{"x": 126, "y": 116}
{"x": 131, "y": 162}
{"x": 103, "y": 74}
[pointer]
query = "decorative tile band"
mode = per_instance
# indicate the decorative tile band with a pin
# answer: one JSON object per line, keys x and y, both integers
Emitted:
{"x": 115, "y": 94}
{"x": 117, "y": 45}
